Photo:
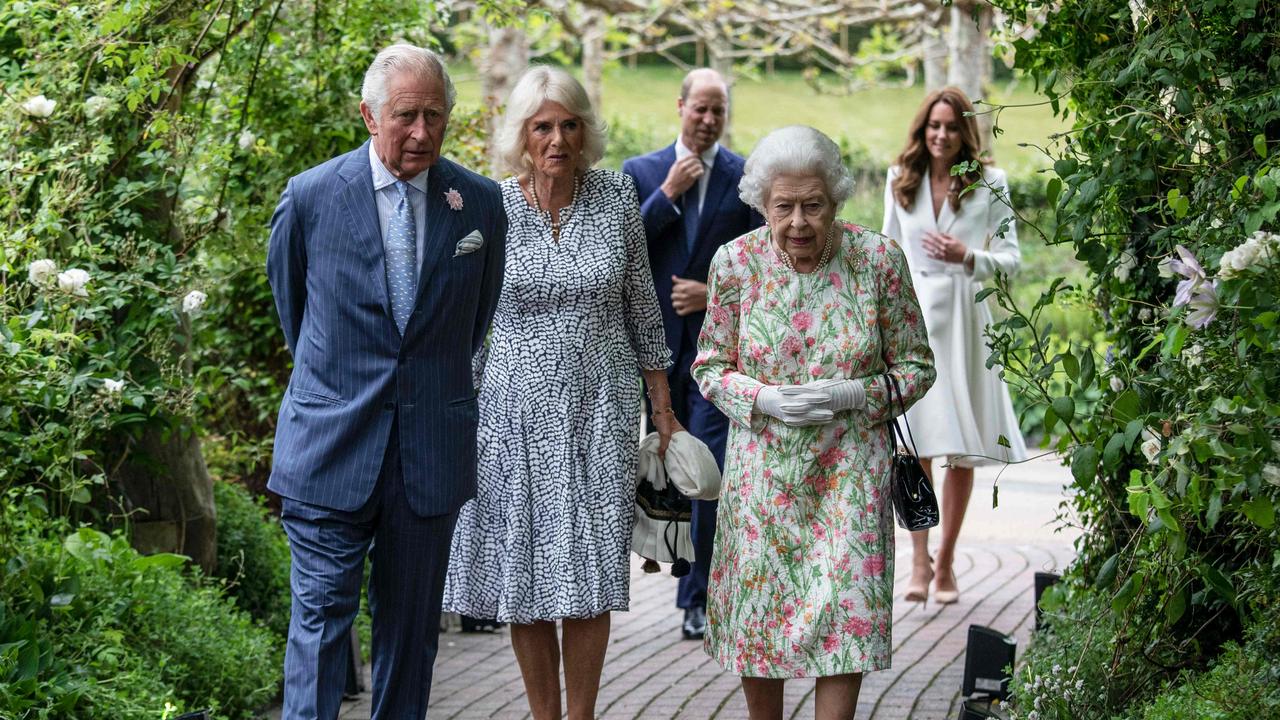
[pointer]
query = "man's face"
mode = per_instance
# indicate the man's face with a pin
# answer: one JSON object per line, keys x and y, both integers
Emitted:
{"x": 410, "y": 126}
{"x": 702, "y": 115}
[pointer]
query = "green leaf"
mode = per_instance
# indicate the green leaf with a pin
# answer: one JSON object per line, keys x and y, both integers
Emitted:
{"x": 1177, "y": 605}
{"x": 1084, "y": 464}
{"x": 1072, "y": 366}
{"x": 1111, "y": 454}
{"x": 1124, "y": 596}
{"x": 161, "y": 560}
{"x": 1050, "y": 419}
{"x": 1107, "y": 573}
{"x": 1261, "y": 511}
{"x": 1065, "y": 407}
{"x": 1131, "y": 431}
{"x": 1052, "y": 190}
{"x": 983, "y": 294}
{"x": 1086, "y": 368}
{"x": 1260, "y": 145}
{"x": 1219, "y": 582}
{"x": 1126, "y": 406}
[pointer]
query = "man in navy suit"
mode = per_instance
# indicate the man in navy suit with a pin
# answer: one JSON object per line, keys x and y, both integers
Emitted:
{"x": 690, "y": 205}
{"x": 385, "y": 264}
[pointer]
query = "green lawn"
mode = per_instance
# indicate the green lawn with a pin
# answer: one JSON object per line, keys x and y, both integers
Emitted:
{"x": 874, "y": 120}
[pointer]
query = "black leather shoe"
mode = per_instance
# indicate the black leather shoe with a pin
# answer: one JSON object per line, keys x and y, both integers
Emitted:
{"x": 695, "y": 623}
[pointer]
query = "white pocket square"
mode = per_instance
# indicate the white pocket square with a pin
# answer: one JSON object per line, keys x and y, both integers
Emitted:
{"x": 469, "y": 244}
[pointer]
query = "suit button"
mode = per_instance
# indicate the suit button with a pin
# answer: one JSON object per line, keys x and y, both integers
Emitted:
{"x": 388, "y": 405}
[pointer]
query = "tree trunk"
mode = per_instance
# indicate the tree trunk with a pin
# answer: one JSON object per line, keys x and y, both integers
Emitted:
{"x": 970, "y": 60}
{"x": 167, "y": 481}
{"x": 593, "y": 57}
{"x": 934, "y": 54}
{"x": 506, "y": 58}
{"x": 721, "y": 62}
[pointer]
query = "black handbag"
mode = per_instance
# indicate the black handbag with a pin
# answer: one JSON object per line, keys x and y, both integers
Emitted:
{"x": 914, "y": 502}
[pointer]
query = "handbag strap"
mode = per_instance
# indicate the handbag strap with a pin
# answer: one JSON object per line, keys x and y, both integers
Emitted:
{"x": 891, "y": 386}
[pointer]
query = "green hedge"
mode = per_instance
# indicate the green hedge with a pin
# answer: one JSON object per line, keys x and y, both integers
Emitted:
{"x": 91, "y": 629}
{"x": 253, "y": 557}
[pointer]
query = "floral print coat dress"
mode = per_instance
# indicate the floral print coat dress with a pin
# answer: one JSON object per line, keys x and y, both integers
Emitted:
{"x": 802, "y": 575}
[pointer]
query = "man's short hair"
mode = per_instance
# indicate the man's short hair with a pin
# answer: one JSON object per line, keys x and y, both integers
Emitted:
{"x": 399, "y": 58}
{"x": 695, "y": 74}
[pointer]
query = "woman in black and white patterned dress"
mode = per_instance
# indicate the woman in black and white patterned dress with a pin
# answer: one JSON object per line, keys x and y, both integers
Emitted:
{"x": 548, "y": 535}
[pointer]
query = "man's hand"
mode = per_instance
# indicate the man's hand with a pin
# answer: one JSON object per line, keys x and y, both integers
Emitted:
{"x": 688, "y": 296}
{"x": 682, "y": 175}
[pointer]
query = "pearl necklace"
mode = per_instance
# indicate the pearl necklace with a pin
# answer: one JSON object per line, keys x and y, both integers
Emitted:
{"x": 546, "y": 214}
{"x": 822, "y": 259}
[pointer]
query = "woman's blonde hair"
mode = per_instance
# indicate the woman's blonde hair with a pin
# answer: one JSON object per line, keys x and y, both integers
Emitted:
{"x": 537, "y": 85}
{"x": 913, "y": 163}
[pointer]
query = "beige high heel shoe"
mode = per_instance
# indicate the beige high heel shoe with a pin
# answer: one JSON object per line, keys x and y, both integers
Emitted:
{"x": 947, "y": 597}
{"x": 919, "y": 592}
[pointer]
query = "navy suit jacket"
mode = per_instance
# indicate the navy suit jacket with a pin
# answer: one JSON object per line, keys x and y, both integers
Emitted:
{"x": 353, "y": 373}
{"x": 723, "y": 217}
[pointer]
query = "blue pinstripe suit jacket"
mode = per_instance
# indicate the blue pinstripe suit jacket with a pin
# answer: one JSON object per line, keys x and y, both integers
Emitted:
{"x": 352, "y": 370}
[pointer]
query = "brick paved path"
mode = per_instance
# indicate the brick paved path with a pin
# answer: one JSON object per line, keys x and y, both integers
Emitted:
{"x": 651, "y": 673}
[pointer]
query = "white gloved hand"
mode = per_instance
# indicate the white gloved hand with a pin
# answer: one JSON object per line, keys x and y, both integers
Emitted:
{"x": 795, "y": 405}
{"x": 844, "y": 394}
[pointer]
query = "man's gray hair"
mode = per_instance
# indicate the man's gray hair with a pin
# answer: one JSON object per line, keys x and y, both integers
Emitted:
{"x": 794, "y": 150}
{"x": 399, "y": 58}
{"x": 539, "y": 84}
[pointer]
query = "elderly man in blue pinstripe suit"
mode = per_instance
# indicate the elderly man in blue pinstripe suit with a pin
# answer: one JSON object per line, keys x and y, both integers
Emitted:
{"x": 385, "y": 264}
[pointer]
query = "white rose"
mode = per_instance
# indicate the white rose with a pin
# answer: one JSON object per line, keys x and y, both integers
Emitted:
{"x": 1116, "y": 384}
{"x": 39, "y": 106}
{"x": 1124, "y": 267}
{"x": 193, "y": 303}
{"x": 247, "y": 139}
{"x": 1193, "y": 355}
{"x": 96, "y": 106}
{"x": 112, "y": 387}
{"x": 73, "y": 281}
{"x": 41, "y": 272}
{"x": 1271, "y": 473}
{"x": 1151, "y": 448}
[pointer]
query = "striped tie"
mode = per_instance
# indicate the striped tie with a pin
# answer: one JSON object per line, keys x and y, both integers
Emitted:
{"x": 401, "y": 248}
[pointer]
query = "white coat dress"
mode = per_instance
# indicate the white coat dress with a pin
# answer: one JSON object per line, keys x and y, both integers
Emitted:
{"x": 968, "y": 408}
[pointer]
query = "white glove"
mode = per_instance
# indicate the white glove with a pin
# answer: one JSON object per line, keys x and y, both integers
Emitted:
{"x": 795, "y": 405}
{"x": 844, "y": 394}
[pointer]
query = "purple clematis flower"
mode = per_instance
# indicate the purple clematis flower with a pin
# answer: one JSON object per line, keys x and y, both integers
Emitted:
{"x": 1203, "y": 304}
{"x": 1189, "y": 268}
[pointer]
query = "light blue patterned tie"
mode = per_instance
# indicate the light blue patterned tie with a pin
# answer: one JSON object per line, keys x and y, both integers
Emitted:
{"x": 401, "y": 249}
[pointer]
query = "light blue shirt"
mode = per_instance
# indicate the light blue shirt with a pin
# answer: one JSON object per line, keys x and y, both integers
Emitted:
{"x": 708, "y": 162}
{"x": 384, "y": 189}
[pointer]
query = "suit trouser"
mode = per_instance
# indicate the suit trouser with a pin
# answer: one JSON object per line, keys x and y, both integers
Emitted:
{"x": 705, "y": 422}
{"x": 408, "y": 554}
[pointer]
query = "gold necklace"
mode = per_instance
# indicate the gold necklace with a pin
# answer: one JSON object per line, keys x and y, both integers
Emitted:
{"x": 546, "y": 214}
{"x": 822, "y": 259}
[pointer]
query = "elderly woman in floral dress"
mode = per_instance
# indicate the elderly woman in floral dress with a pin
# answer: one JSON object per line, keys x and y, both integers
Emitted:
{"x": 806, "y": 319}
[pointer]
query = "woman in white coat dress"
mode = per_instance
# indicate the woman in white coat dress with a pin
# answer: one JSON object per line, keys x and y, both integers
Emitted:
{"x": 954, "y": 240}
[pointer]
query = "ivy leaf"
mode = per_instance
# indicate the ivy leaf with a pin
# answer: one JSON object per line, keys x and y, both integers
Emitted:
{"x": 1087, "y": 368}
{"x": 1260, "y": 145}
{"x": 1052, "y": 190}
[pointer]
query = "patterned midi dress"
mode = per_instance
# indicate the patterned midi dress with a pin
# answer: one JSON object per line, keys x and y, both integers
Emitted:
{"x": 548, "y": 534}
{"x": 802, "y": 574}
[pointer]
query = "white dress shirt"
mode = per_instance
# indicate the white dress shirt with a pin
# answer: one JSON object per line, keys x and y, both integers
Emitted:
{"x": 708, "y": 162}
{"x": 384, "y": 189}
